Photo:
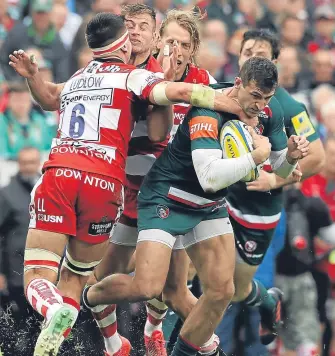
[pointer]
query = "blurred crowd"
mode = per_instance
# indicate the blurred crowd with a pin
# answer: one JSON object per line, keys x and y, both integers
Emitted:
{"x": 54, "y": 31}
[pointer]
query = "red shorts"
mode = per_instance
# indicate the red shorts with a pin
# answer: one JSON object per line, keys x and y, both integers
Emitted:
{"x": 77, "y": 203}
{"x": 130, "y": 203}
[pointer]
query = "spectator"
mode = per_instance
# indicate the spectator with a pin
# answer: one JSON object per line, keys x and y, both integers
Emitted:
{"x": 276, "y": 9}
{"x": 222, "y": 10}
{"x": 327, "y": 114}
{"x": 324, "y": 25}
{"x": 39, "y": 33}
{"x": 211, "y": 57}
{"x": 216, "y": 31}
{"x": 21, "y": 125}
{"x": 84, "y": 56}
{"x": 292, "y": 31}
{"x": 289, "y": 69}
{"x": 307, "y": 217}
{"x": 322, "y": 68}
{"x": 113, "y": 6}
{"x": 7, "y": 20}
{"x": 67, "y": 23}
{"x": 14, "y": 221}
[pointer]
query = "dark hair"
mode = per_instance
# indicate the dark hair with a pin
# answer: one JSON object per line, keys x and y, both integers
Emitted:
{"x": 138, "y": 9}
{"x": 260, "y": 70}
{"x": 103, "y": 29}
{"x": 263, "y": 35}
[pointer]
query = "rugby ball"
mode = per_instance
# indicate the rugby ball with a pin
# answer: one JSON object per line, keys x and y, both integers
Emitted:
{"x": 236, "y": 141}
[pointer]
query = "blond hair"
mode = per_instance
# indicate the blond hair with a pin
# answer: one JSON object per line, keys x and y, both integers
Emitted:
{"x": 189, "y": 20}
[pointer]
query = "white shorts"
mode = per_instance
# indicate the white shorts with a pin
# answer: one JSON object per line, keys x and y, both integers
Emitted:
{"x": 124, "y": 235}
{"x": 205, "y": 230}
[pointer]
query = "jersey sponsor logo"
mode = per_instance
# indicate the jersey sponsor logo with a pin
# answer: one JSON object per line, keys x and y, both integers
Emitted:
{"x": 250, "y": 246}
{"x": 302, "y": 124}
{"x": 203, "y": 127}
{"x": 102, "y": 228}
{"x": 67, "y": 99}
{"x": 162, "y": 211}
{"x": 151, "y": 79}
{"x": 109, "y": 69}
{"x": 50, "y": 218}
{"x": 86, "y": 83}
{"x": 92, "y": 181}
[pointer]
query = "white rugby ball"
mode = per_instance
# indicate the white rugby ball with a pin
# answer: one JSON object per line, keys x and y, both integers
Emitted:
{"x": 236, "y": 141}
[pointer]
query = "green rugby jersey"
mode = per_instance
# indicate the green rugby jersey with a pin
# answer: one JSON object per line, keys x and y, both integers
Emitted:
{"x": 296, "y": 119}
{"x": 260, "y": 210}
{"x": 173, "y": 174}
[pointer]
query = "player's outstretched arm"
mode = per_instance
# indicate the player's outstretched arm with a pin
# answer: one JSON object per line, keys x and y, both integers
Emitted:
{"x": 46, "y": 94}
{"x": 199, "y": 95}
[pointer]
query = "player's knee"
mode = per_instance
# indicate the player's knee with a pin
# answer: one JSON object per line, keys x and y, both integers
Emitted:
{"x": 220, "y": 293}
{"x": 40, "y": 263}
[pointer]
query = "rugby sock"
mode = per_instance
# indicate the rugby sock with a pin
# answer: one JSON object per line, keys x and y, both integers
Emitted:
{"x": 75, "y": 308}
{"x": 210, "y": 347}
{"x": 184, "y": 348}
{"x": 259, "y": 297}
{"x": 156, "y": 311}
{"x": 105, "y": 316}
{"x": 44, "y": 297}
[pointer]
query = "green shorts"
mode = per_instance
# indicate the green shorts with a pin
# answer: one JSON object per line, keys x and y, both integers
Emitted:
{"x": 251, "y": 244}
{"x": 159, "y": 212}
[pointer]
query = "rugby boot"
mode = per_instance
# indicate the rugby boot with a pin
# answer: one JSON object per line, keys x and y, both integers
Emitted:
{"x": 52, "y": 333}
{"x": 155, "y": 345}
{"x": 124, "y": 350}
{"x": 271, "y": 323}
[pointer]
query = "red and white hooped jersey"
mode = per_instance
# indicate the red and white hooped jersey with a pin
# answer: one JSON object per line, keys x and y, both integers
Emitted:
{"x": 142, "y": 152}
{"x": 97, "y": 115}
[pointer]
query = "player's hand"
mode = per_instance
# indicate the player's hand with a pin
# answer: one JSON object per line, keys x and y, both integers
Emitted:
{"x": 297, "y": 147}
{"x": 297, "y": 174}
{"x": 262, "y": 147}
{"x": 169, "y": 63}
{"x": 23, "y": 64}
{"x": 265, "y": 182}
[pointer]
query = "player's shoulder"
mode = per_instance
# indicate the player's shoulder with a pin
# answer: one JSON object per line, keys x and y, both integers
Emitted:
{"x": 153, "y": 65}
{"x": 274, "y": 109}
{"x": 290, "y": 106}
{"x": 197, "y": 75}
{"x": 197, "y": 112}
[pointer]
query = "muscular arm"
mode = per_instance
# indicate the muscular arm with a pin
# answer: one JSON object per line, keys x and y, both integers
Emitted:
{"x": 198, "y": 95}
{"x": 46, "y": 94}
{"x": 159, "y": 122}
{"x": 309, "y": 165}
{"x": 215, "y": 173}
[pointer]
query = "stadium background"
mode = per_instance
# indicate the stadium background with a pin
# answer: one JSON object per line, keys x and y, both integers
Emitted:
{"x": 306, "y": 69}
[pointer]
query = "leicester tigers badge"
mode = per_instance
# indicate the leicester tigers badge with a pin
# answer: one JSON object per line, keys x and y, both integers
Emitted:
{"x": 162, "y": 211}
{"x": 259, "y": 129}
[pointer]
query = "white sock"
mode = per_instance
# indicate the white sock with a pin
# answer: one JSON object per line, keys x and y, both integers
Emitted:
{"x": 105, "y": 316}
{"x": 156, "y": 311}
{"x": 211, "y": 345}
{"x": 44, "y": 297}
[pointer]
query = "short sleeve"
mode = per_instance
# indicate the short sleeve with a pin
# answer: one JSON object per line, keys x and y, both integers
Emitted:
{"x": 276, "y": 129}
{"x": 204, "y": 125}
{"x": 141, "y": 82}
{"x": 301, "y": 124}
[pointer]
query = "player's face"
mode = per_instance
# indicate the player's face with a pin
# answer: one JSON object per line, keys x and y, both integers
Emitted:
{"x": 254, "y": 48}
{"x": 252, "y": 99}
{"x": 174, "y": 32}
{"x": 141, "y": 30}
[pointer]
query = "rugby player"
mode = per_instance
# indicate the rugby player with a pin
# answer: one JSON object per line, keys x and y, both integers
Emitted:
{"x": 178, "y": 27}
{"x": 76, "y": 202}
{"x": 183, "y": 194}
{"x": 255, "y": 208}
